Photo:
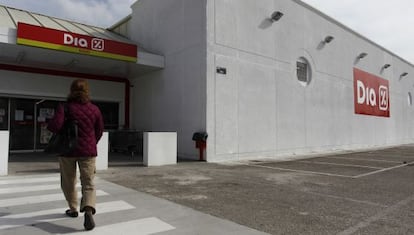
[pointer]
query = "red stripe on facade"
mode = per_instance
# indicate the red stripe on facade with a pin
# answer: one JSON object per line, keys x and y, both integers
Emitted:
{"x": 59, "y": 37}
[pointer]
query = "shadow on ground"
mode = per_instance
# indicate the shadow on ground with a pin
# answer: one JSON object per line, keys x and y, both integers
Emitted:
{"x": 41, "y": 163}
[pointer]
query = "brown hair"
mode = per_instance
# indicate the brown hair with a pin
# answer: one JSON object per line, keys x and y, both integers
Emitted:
{"x": 79, "y": 91}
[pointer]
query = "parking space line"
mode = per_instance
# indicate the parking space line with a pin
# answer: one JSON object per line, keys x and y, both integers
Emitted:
{"x": 410, "y": 156}
{"x": 360, "y": 159}
{"x": 340, "y": 164}
{"x": 348, "y": 199}
{"x": 383, "y": 213}
{"x": 300, "y": 171}
{"x": 382, "y": 170}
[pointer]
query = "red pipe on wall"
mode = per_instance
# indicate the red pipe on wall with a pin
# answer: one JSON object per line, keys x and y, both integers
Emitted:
{"x": 18, "y": 68}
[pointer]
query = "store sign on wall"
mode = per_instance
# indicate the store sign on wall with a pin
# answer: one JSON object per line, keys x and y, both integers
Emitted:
{"x": 371, "y": 94}
{"x": 37, "y": 36}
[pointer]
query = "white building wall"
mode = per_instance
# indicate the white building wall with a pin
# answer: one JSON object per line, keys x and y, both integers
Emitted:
{"x": 259, "y": 109}
{"x": 172, "y": 99}
{"x": 19, "y": 84}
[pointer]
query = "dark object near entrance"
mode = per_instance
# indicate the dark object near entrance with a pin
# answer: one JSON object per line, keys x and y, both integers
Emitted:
{"x": 200, "y": 136}
{"x": 66, "y": 140}
{"x": 201, "y": 143}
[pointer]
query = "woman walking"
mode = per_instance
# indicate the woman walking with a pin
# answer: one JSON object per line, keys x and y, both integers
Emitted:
{"x": 90, "y": 127}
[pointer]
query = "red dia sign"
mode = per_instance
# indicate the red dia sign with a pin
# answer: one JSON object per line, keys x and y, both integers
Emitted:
{"x": 371, "y": 94}
{"x": 37, "y": 36}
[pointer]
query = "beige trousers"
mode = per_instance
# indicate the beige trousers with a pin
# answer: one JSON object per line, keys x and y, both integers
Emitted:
{"x": 87, "y": 168}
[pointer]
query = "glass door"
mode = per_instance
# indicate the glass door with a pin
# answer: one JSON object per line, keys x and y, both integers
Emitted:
{"x": 4, "y": 114}
{"x": 28, "y": 120}
{"x": 21, "y": 124}
{"x": 28, "y": 125}
{"x": 45, "y": 110}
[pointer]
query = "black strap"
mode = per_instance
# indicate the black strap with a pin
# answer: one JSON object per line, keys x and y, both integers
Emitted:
{"x": 65, "y": 111}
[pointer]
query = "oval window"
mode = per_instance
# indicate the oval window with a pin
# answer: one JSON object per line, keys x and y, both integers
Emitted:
{"x": 303, "y": 71}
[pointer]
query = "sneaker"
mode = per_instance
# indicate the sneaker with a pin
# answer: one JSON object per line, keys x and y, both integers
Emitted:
{"x": 89, "y": 223}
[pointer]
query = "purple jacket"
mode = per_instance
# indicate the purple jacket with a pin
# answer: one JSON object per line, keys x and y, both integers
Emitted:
{"x": 90, "y": 126}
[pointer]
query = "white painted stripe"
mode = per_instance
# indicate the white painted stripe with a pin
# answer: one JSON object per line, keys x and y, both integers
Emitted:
{"x": 25, "y": 189}
{"x": 300, "y": 171}
{"x": 145, "y": 226}
{"x": 37, "y": 188}
{"x": 17, "y": 220}
{"x": 381, "y": 215}
{"x": 364, "y": 159}
{"x": 347, "y": 199}
{"x": 382, "y": 170}
{"x": 29, "y": 176}
{"x": 20, "y": 180}
{"x": 39, "y": 199}
{"x": 340, "y": 164}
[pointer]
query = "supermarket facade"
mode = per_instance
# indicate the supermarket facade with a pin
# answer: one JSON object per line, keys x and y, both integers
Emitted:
{"x": 270, "y": 78}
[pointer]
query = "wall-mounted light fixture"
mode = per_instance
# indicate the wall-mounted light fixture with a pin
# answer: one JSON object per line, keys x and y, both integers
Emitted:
{"x": 386, "y": 66}
{"x": 362, "y": 55}
{"x": 221, "y": 70}
{"x": 403, "y": 74}
{"x": 276, "y": 16}
{"x": 71, "y": 64}
{"x": 328, "y": 39}
{"x": 20, "y": 57}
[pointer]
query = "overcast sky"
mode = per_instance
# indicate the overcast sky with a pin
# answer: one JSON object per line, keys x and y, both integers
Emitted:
{"x": 103, "y": 13}
{"x": 388, "y": 23}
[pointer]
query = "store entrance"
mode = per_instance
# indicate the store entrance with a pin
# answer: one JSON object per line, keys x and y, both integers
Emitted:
{"x": 28, "y": 122}
{"x": 26, "y": 119}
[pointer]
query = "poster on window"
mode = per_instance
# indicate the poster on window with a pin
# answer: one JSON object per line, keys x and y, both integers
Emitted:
{"x": 46, "y": 113}
{"x": 45, "y": 134}
{"x": 19, "y": 115}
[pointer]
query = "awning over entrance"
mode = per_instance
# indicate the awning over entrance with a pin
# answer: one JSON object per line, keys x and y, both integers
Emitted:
{"x": 13, "y": 53}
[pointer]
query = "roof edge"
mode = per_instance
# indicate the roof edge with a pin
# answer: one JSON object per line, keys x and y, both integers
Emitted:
{"x": 120, "y": 22}
{"x": 329, "y": 18}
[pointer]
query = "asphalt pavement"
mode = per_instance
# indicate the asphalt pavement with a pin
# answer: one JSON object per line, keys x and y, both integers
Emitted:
{"x": 367, "y": 192}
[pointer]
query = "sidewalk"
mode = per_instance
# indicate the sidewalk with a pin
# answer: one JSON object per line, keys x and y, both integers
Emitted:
{"x": 349, "y": 193}
{"x": 34, "y": 204}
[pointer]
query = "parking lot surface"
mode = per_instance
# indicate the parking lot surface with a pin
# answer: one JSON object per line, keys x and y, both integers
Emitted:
{"x": 369, "y": 192}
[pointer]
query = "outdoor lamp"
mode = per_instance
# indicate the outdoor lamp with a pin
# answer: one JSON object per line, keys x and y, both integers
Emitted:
{"x": 276, "y": 16}
{"x": 328, "y": 39}
{"x": 362, "y": 55}
{"x": 403, "y": 74}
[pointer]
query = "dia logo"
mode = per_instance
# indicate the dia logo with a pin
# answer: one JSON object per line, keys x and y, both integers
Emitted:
{"x": 98, "y": 44}
{"x": 383, "y": 98}
{"x": 366, "y": 95}
{"x": 371, "y": 94}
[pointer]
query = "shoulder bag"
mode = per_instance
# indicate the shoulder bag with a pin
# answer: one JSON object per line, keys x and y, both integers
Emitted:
{"x": 66, "y": 140}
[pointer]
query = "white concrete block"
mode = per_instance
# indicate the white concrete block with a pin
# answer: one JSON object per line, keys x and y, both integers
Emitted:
{"x": 4, "y": 152}
{"x": 103, "y": 149}
{"x": 160, "y": 148}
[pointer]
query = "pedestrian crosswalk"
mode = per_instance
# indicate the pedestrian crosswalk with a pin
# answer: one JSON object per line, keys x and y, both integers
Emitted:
{"x": 36, "y": 203}
{"x": 141, "y": 226}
